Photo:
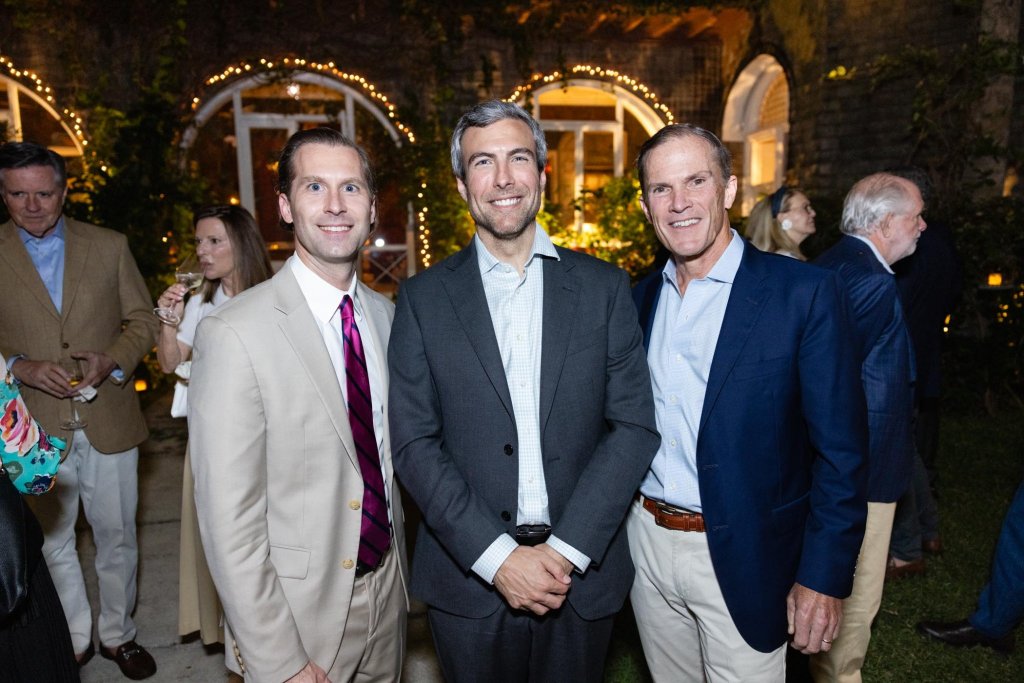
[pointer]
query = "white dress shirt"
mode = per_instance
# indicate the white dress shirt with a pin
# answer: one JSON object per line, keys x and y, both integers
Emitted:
{"x": 324, "y": 300}
{"x": 516, "y": 305}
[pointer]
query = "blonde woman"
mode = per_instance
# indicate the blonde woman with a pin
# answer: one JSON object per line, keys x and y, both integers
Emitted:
{"x": 780, "y": 222}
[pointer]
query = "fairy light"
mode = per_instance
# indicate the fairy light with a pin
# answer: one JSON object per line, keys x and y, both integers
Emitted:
{"x": 291, "y": 64}
{"x": 32, "y": 81}
{"x": 595, "y": 72}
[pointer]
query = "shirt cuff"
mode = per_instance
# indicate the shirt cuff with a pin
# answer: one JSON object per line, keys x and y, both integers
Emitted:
{"x": 10, "y": 362}
{"x": 488, "y": 564}
{"x": 117, "y": 374}
{"x": 578, "y": 559}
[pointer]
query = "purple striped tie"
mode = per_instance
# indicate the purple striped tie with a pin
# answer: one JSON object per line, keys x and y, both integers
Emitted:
{"x": 375, "y": 530}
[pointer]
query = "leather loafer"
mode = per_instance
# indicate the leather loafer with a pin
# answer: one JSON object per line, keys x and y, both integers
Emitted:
{"x": 932, "y": 546}
{"x": 133, "y": 660}
{"x": 895, "y": 572}
{"x": 962, "y": 634}
{"x": 83, "y": 659}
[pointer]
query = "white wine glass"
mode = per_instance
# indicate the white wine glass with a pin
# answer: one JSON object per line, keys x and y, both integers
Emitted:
{"x": 188, "y": 273}
{"x": 73, "y": 367}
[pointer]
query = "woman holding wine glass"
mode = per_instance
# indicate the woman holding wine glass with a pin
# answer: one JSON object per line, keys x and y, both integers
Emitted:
{"x": 232, "y": 257}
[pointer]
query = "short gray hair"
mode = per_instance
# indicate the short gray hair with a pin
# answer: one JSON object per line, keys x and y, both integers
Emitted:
{"x": 483, "y": 115}
{"x": 870, "y": 200}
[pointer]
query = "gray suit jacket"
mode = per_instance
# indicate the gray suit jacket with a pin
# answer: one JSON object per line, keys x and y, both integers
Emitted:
{"x": 454, "y": 433}
{"x": 277, "y": 478}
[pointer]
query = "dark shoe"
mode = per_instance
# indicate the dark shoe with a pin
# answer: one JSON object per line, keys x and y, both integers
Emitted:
{"x": 895, "y": 572}
{"x": 84, "y": 658}
{"x": 132, "y": 659}
{"x": 962, "y": 634}
{"x": 932, "y": 546}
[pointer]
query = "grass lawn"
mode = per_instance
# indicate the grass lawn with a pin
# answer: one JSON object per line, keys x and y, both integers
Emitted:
{"x": 981, "y": 463}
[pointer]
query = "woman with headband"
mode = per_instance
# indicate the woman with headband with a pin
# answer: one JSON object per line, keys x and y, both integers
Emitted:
{"x": 780, "y": 222}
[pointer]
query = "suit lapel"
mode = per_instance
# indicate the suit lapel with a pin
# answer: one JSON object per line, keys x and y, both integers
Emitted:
{"x": 303, "y": 333}
{"x": 561, "y": 294}
{"x": 746, "y": 301}
{"x": 76, "y": 256}
{"x": 16, "y": 257}
{"x": 465, "y": 290}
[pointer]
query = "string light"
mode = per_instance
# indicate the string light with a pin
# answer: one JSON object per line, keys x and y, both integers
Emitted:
{"x": 291, "y": 64}
{"x": 288, "y": 65}
{"x": 72, "y": 122}
{"x": 588, "y": 71}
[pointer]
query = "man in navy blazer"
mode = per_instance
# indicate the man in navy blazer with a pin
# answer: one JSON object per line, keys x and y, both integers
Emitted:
{"x": 881, "y": 224}
{"x": 751, "y": 515}
{"x": 521, "y": 423}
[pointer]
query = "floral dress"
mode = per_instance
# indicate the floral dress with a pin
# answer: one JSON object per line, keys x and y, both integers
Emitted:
{"x": 30, "y": 456}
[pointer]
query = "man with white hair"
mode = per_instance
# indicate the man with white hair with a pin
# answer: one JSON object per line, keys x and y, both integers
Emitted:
{"x": 881, "y": 224}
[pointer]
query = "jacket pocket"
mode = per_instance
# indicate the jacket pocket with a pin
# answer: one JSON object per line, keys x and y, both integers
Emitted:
{"x": 290, "y": 563}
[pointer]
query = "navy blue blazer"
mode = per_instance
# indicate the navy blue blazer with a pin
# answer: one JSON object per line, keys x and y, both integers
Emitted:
{"x": 782, "y": 441}
{"x": 453, "y": 428}
{"x": 888, "y": 364}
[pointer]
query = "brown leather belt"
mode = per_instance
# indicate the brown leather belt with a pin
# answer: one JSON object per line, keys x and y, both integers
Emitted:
{"x": 671, "y": 517}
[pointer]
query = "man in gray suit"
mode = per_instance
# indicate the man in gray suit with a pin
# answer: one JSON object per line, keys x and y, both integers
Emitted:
{"x": 522, "y": 423}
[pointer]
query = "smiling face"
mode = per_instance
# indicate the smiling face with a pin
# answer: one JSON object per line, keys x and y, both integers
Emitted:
{"x": 687, "y": 202}
{"x": 503, "y": 185}
{"x": 33, "y": 198}
{"x": 214, "y": 249}
{"x": 330, "y": 205}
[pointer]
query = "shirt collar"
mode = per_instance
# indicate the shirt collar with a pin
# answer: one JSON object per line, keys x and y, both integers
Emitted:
{"x": 725, "y": 268}
{"x": 874, "y": 250}
{"x": 57, "y": 234}
{"x": 323, "y": 298}
{"x": 542, "y": 246}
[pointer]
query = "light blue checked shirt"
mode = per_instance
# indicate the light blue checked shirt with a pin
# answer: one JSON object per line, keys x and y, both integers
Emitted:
{"x": 682, "y": 345}
{"x": 516, "y": 305}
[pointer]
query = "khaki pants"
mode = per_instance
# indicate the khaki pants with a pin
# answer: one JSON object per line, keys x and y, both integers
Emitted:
{"x": 843, "y": 662}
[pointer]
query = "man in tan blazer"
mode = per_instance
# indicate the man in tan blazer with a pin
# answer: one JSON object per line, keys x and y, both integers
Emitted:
{"x": 284, "y": 487}
{"x": 72, "y": 290}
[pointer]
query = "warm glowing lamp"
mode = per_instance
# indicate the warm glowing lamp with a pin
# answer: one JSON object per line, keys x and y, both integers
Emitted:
{"x": 141, "y": 385}
{"x": 995, "y": 279}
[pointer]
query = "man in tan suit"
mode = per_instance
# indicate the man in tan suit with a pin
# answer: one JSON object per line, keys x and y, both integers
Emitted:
{"x": 298, "y": 507}
{"x": 72, "y": 290}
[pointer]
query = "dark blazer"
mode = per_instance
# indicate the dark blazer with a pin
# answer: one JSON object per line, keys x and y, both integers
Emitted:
{"x": 453, "y": 429}
{"x": 781, "y": 443}
{"x": 888, "y": 364}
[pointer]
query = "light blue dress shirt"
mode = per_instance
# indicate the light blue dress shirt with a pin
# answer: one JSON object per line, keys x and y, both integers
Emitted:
{"x": 516, "y": 305}
{"x": 684, "y": 337}
{"x": 47, "y": 254}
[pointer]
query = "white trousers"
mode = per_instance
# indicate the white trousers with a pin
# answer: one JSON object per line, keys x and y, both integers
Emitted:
{"x": 844, "y": 661}
{"x": 108, "y": 488}
{"x": 685, "y": 626}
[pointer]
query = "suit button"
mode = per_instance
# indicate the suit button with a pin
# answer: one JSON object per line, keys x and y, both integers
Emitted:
{"x": 65, "y": 345}
{"x": 508, "y": 449}
{"x": 348, "y": 564}
{"x": 354, "y": 504}
{"x": 506, "y": 516}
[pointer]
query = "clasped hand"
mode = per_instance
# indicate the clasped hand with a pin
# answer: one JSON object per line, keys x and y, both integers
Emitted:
{"x": 535, "y": 579}
{"x": 51, "y": 378}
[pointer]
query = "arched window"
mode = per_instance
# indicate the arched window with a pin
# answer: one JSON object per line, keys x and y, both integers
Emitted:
{"x": 238, "y": 132}
{"x": 594, "y": 129}
{"x": 28, "y": 112}
{"x": 755, "y": 127}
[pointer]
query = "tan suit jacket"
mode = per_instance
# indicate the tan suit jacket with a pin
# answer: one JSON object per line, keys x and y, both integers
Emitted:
{"x": 105, "y": 307}
{"x": 278, "y": 486}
